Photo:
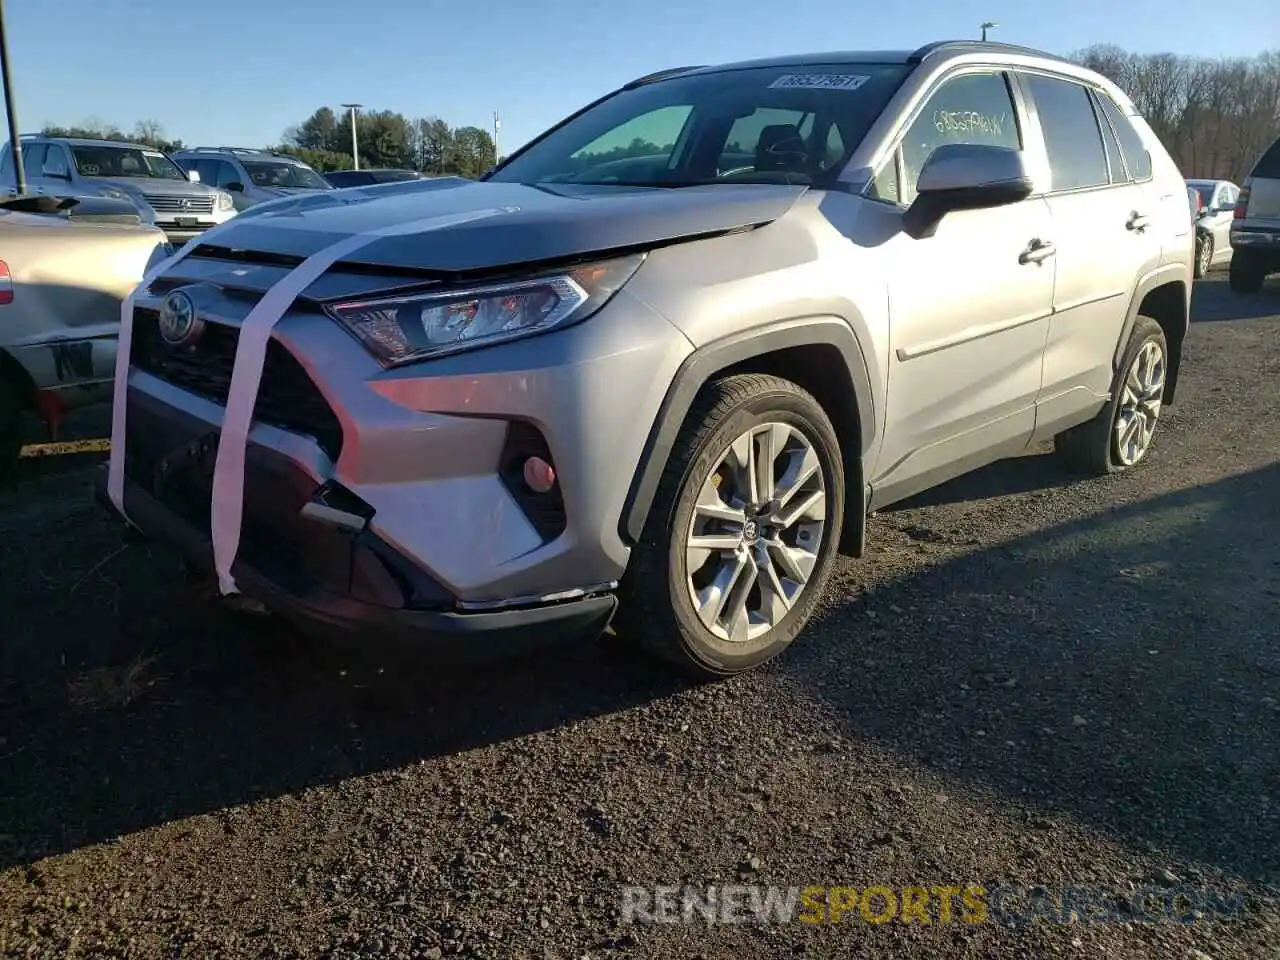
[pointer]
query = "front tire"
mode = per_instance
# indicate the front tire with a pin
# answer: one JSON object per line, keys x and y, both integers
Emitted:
{"x": 1119, "y": 437}
{"x": 738, "y": 546}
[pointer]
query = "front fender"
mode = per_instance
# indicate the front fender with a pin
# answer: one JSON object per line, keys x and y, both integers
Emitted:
{"x": 732, "y": 351}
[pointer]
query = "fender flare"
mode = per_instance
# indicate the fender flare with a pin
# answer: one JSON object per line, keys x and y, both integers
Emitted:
{"x": 1161, "y": 276}
{"x": 709, "y": 360}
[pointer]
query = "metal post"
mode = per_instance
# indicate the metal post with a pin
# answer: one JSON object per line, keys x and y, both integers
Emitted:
{"x": 497, "y": 125}
{"x": 15, "y": 145}
{"x": 355, "y": 146}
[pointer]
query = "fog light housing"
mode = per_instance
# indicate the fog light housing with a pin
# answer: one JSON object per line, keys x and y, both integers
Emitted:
{"x": 539, "y": 475}
{"x": 527, "y": 469}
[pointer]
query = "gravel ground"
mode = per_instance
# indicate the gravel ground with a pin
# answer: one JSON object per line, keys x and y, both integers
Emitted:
{"x": 1030, "y": 681}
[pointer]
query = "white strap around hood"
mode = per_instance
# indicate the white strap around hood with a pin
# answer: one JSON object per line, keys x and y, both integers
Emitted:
{"x": 227, "y": 508}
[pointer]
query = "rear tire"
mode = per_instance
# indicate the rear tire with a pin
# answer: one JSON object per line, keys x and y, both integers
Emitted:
{"x": 1119, "y": 437}
{"x": 11, "y": 412}
{"x": 1204, "y": 255}
{"x": 1248, "y": 271}
{"x": 735, "y": 556}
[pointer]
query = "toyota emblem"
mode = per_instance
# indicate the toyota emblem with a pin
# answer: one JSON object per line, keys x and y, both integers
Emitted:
{"x": 179, "y": 324}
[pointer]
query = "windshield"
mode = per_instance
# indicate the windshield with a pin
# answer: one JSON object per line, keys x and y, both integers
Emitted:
{"x": 795, "y": 124}
{"x": 97, "y": 161}
{"x": 287, "y": 176}
{"x": 1206, "y": 192}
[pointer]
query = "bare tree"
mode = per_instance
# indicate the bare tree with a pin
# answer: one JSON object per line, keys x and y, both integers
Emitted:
{"x": 1215, "y": 117}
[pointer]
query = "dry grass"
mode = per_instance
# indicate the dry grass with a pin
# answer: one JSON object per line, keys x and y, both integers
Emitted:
{"x": 106, "y": 687}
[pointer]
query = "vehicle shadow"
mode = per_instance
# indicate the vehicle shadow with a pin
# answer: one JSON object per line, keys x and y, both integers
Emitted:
{"x": 1122, "y": 670}
{"x": 1026, "y": 668}
{"x": 1213, "y": 301}
{"x": 128, "y": 699}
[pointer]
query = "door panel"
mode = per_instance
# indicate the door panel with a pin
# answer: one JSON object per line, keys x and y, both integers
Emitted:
{"x": 968, "y": 321}
{"x": 1106, "y": 233}
{"x": 968, "y": 311}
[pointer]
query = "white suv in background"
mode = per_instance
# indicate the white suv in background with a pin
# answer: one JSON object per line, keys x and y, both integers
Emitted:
{"x": 251, "y": 176}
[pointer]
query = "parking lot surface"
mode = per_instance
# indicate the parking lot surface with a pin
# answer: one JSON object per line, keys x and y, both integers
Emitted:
{"x": 1030, "y": 680}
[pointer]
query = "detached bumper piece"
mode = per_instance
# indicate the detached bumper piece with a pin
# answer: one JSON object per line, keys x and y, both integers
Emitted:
{"x": 307, "y": 554}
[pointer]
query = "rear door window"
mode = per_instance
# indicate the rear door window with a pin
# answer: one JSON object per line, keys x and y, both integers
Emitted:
{"x": 1072, "y": 137}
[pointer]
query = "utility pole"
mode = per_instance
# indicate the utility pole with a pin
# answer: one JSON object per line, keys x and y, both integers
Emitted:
{"x": 355, "y": 146}
{"x": 11, "y": 112}
{"x": 497, "y": 125}
{"x": 989, "y": 25}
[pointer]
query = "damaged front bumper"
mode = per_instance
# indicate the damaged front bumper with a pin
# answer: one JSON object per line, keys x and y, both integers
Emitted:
{"x": 351, "y": 582}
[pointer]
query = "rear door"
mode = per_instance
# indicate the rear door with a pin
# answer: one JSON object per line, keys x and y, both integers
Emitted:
{"x": 1103, "y": 226}
{"x": 1263, "y": 206}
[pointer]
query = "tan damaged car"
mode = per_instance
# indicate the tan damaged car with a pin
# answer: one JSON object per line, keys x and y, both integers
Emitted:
{"x": 65, "y": 266}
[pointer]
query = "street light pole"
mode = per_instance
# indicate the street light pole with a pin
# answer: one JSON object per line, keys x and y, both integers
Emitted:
{"x": 497, "y": 126}
{"x": 15, "y": 145}
{"x": 989, "y": 25}
{"x": 355, "y": 146}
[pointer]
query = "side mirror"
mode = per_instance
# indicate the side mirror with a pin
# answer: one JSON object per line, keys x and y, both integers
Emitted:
{"x": 193, "y": 176}
{"x": 235, "y": 186}
{"x": 965, "y": 176}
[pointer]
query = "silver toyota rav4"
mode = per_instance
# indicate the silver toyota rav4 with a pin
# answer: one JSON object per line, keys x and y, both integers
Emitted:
{"x": 668, "y": 355}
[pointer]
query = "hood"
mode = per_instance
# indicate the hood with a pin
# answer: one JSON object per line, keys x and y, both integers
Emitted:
{"x": 155, "y": 186}
{"x": 287, "y": 191}
{"x": 493, "y": 225}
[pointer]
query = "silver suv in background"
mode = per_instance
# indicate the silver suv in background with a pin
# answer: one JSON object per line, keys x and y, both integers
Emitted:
{"x": 1216, "y": 202}
{"x": 1255, "y": 231}
{"x": 251, "y": 176}
{"x": 142, "y": 175}
{"x": 668, "y": 355}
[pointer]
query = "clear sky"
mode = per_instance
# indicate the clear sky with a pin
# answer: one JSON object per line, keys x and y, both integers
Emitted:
{"x": 241, "y": 71}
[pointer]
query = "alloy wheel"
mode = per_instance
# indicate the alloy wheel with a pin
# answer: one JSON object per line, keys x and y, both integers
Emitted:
{"x": 1139, "y": 406}
{"x": 757, "y": 531}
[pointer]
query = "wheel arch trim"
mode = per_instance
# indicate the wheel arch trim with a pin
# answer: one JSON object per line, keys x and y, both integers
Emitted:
{"x": 711, "y": 359}
{"x": 1160, "y": 277}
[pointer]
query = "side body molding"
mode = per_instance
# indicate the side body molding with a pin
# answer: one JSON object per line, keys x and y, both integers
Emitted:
{"x": 751, "y": 350}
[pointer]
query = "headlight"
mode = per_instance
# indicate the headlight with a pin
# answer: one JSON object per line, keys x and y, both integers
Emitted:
{"x": 226, "y": 201}
{"x": 404, "y": 329}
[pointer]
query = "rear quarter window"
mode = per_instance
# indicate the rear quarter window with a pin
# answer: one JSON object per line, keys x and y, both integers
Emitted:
{"x": 1135, "y": 151}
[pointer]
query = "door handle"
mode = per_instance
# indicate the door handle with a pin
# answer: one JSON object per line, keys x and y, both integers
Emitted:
{"x": 1037, "y": 251}
{"x": 1137, "y": 221}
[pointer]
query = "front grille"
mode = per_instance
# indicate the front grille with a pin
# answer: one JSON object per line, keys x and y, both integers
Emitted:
{"x": 164, "y": 203}
{"x": 287, "y": 397}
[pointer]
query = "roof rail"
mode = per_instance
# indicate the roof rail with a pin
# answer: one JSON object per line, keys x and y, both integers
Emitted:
{"x": 245, "y": 151}
{"x": 978, "y": 46}
{"x": 659, "y": 75}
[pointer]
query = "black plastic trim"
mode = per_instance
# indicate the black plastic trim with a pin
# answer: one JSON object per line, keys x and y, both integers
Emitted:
{"x": 1162, "y": 276}
{"x": 704, "y": 363}
{"x": 449, "y": 633}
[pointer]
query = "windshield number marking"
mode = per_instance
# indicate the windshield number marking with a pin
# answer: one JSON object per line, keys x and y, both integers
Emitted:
{"x": 819, "y": 81}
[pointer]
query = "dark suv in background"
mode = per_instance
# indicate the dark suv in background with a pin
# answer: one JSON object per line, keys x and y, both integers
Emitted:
{"x": 1255, "y": 231}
